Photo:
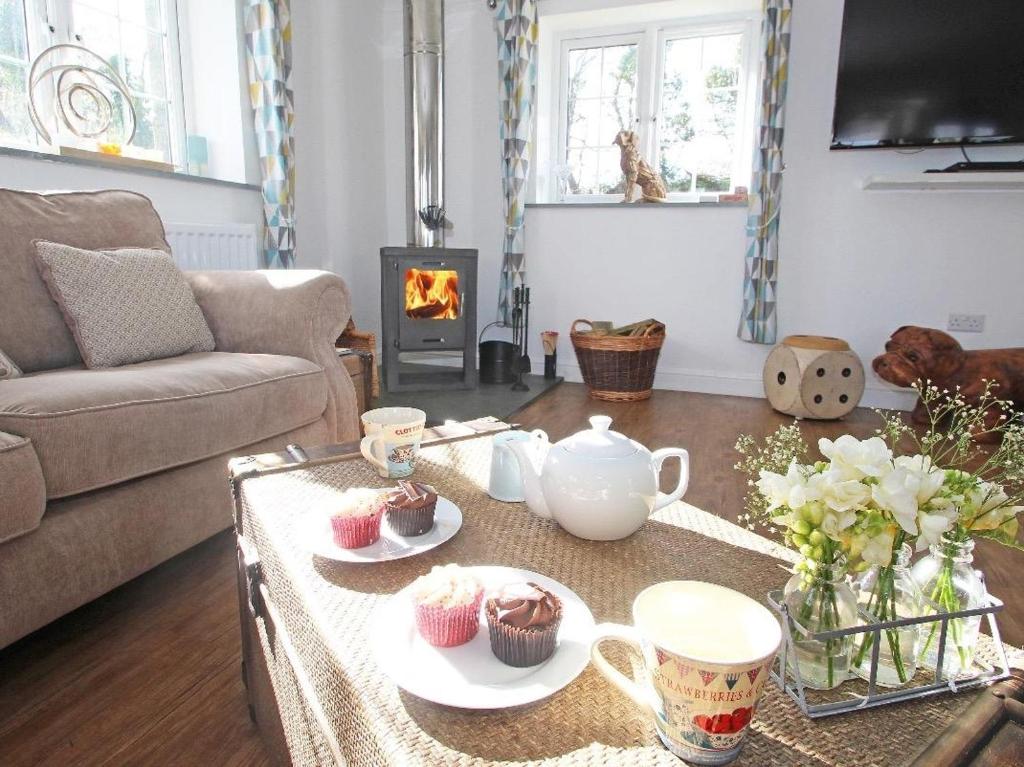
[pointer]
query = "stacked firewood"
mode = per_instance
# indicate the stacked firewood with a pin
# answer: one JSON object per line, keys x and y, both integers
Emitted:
{"x": 631, "y": 330}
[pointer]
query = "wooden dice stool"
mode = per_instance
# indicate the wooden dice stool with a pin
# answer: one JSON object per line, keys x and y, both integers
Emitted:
{"x": 814, "y": 377}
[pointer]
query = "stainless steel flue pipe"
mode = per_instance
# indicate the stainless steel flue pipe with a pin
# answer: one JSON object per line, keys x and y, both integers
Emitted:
{"x": 424, "y": 120}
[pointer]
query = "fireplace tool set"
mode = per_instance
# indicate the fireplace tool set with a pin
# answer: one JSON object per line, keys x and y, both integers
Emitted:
{"x": 521, "y": 334}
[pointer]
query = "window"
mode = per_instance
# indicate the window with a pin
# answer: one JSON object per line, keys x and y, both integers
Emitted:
{"x": 138, "y": 38}
{"x": 684, "y": 89}
{"x": 15, "y": 126}
{"x": 601, "y": 100}
{"x": 697, "y": 124}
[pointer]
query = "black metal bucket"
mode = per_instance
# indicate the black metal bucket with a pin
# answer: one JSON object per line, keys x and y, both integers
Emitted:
{"x": 498, "y": 360}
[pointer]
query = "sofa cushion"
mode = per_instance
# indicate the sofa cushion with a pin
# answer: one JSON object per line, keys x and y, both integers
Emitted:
{"x": 32, "y": 330}
{"x": 22, "y": 492}
{"x": 123, "y": 306}
{"x": 94, "y": 428}
{"x": 7, "y": 367}
{"x": 91, "y": 543}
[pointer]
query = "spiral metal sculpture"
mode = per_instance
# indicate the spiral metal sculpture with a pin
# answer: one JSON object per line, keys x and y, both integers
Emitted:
{"x": 83, "y": 84}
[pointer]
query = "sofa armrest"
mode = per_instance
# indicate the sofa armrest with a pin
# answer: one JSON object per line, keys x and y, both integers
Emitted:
{"x": 22, "y": 488}
{"x": 299, "y": 313}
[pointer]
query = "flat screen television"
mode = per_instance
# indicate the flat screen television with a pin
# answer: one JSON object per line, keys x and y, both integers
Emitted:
{"x": 930, "y": 72}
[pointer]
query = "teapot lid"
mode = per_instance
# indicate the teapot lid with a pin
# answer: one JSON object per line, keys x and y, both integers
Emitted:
{"x": 599, "y": 441}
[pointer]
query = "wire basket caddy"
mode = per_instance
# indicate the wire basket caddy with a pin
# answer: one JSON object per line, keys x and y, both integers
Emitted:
{"x": 984, "y": 672}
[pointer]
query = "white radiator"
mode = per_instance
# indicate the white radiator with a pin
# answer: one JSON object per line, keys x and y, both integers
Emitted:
{"x": 214, "y": 246}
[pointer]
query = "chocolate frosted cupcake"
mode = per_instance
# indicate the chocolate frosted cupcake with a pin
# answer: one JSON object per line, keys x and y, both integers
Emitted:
{"x": 523, "y": 620}
{"x": 410, "y": 508}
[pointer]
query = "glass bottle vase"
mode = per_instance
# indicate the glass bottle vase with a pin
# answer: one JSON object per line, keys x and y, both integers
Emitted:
{"x": 949, "y": 583}
{"x": 889, "y": 593}
{"x": 821, "y": 600}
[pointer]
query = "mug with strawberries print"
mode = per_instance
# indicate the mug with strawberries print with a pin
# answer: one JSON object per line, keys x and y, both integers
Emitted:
{"x": 707, "y": 651}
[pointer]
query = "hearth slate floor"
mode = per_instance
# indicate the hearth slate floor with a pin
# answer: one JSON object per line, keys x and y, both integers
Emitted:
{"x": 466, "y": 404}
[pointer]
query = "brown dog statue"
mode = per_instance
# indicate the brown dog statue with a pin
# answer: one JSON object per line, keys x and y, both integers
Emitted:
{"x": 925, "y": 354}
{"x": 637, "y": 170}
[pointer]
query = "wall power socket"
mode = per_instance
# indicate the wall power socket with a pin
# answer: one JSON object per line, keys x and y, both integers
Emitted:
{"x": 966, "y": 323}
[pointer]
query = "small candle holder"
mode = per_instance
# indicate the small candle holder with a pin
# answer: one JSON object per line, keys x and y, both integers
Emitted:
{"x": 549, "y": 339}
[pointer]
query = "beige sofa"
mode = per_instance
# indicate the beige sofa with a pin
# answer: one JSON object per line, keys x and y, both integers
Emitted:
{"x": 106, "y": 473}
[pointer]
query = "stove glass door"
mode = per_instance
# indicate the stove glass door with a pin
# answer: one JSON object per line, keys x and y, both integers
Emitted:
{"x": 432, "y": 294}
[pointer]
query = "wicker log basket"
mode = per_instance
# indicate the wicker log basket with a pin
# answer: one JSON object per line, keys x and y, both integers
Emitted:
{"x": 362, "y": 341}
{"x": 618, "y": 368}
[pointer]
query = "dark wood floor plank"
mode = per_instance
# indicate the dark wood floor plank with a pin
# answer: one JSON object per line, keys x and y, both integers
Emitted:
{"x": 210, "y": 727}
{"x": 53, "y": 657}
{"x": 149, "y": 674}
{"x": 173, "y": 630}
{"x": 155, "y": 671}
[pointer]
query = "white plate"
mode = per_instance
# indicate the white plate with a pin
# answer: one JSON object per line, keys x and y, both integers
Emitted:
{"x": 470, "y": 676}
{"x": 390, "y": 545}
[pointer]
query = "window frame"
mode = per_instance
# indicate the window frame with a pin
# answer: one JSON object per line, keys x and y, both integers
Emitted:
{"x": 51, "y": 22}
{"x": 652, "y": 38}
{"x": 28, "y": 8}
{"x": 576, "y": 43}
{"x": 741, "y": 161}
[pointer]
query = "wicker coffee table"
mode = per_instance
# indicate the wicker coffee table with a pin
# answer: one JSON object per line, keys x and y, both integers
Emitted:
{"x": 320, "y": 699}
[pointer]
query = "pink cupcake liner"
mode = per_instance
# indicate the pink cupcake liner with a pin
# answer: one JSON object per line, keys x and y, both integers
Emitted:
{"x": 449, "y": 626}
{"x": 356, "y": 532}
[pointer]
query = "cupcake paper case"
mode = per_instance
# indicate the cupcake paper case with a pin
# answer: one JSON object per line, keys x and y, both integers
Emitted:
{"x": 356, "y": 521}
{"x": 523, "y": 621}
{"x": 410, "y": 508}
{"x": 447, "y": 604}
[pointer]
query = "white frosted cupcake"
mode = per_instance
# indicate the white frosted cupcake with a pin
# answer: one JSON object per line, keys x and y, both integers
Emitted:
{"x": 356, "y": 519}
{"x": 447, "y": 603}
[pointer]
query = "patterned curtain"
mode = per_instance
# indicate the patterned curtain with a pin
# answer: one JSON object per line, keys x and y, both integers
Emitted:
{"x": 268, "y": 30}
{"x": 517, "y": 74}
{"x": 758, "y": 322}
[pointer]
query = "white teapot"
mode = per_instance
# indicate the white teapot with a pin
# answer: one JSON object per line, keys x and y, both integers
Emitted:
{"x": 597, "y": 484}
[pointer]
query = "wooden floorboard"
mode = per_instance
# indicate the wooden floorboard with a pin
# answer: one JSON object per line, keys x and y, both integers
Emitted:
{"x": 149, "y": 674}
{"x": 210, "y": 727}
{"x": 115, "y": 682}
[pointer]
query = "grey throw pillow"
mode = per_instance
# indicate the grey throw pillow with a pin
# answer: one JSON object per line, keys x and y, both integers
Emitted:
{"x": 123, "y": 306}
{"x": 7, "y": 367}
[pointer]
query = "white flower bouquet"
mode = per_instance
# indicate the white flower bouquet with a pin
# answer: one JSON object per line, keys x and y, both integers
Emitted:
{"x": 866, "y": 499}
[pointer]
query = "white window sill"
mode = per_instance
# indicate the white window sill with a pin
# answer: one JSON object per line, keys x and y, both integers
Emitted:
{"x": 637, "y": 205}
{"x": 30, "y": 154}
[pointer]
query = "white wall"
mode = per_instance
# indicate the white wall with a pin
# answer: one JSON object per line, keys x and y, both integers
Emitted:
{"x": 855, "y": 264}
{"x": 350, "y": 141}
{"x": 860, "y": 264}
{"x": 177, "y": 201}
{"x": 677, "y": 264}
{"x": 339, "y": 144}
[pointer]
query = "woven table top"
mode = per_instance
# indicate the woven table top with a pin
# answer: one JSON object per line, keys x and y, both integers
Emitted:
{"x": 327, "y": 607}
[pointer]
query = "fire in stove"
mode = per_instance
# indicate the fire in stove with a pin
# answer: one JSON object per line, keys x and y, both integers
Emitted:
{"x": 431, "y": 294}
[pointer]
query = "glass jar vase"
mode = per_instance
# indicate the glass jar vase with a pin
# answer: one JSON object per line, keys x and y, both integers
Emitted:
{"x": 949, "y": 583}
{"x": 821, "y": 600}
{"x": 889, "y": 593}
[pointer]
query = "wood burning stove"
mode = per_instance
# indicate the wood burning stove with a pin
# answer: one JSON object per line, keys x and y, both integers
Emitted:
{"x": 428, "y": 297}
{"x": 428, "y": 291}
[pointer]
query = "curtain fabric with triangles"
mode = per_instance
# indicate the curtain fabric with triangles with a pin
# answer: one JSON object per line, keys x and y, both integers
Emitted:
{"x": 268, "y": 31}
{"x": 516, "y": 22}
{"x": 758, "y": 322}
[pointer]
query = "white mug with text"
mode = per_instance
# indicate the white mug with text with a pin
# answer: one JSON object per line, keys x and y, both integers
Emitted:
{"x": 392, "y": 440}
